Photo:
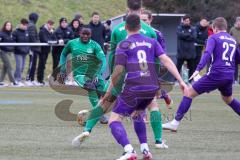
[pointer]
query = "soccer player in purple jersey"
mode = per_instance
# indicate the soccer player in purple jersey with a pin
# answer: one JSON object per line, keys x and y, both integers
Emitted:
{"x": 136, "y": 55}
{"x": 221, "y": 51}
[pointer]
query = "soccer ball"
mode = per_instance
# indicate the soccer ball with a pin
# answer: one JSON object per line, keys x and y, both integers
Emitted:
{"x": 82, "y": 117}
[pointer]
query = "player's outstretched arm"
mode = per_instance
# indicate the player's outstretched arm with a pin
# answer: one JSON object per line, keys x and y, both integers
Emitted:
{"x": 62, "y": 63}
{"x": 168, "y": 63}
{"x": 205, "y": 58}
{"x": 63, "y": 58}
{"x": 101, "y": 56}
{"x": 118, "y": 70}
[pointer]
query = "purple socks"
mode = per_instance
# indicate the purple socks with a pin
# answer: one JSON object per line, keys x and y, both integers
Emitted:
{"x": 235, "y": 105}
{"x": 140, "y": 128}
{"x": 119, "y": 133}
{"x": 183, "y": 108}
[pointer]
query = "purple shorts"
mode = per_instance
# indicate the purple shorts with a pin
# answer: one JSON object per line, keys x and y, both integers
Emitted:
{"x": 208, "y": 84}
{"x": 127, "y": 102}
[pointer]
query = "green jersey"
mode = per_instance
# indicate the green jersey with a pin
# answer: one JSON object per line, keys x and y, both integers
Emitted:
{"x": 87, "y": 58}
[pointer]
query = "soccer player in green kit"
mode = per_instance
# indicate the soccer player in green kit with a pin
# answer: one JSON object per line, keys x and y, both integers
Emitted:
{"x": 88, "y": 62}
{"x": 119, "y": 33}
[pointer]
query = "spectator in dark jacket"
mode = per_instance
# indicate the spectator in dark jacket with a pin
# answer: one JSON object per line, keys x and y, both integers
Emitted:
{"x": 5, "y": 53}
{"x": 235, "y": 32}
{"x": 76, "y": 27}
{"x": 202, "y": 36}
{"x": 186, "y": 51}
{"x": 21, "y": 35}
{"x": 98, "y": 29}
{"x": 63, "y": 34}
{"x": 107, "y": 26}
{"x": 45, "y": 35}
{"x": 35, "y": 51}
{"x": 108, "y": 33}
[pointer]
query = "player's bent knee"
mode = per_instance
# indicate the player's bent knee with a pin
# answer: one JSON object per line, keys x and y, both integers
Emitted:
{"x": 153, "y": 106}
{"x": 191, "y": 93}
{"x": 227, "y": 100}
{"x": 114, "y": 117}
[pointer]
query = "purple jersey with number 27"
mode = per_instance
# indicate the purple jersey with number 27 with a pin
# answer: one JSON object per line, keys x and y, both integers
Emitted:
{"x": 137, "y": 54}
{"x": 221, "y": 50}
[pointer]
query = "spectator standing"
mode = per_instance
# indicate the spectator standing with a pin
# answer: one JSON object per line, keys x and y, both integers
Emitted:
{"x": 35, "y": 51}
{"x": 45, "y": 35}
{"x": 186, "y": 36}
{"x": 98, "y": 29}
{"x": 80, "y": 18}
{"x": 76, "y": 27}
{"x": 107, "y": 38}
{"x": 5, "y": 54}
{"x": 235, "y": 32}
{"x": 20, "y": 35}
{"x": 63, "y": 34}
{"x": 202, "y": 36}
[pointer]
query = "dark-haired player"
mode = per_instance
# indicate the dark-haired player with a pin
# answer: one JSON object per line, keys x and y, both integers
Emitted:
{"x": 119, "y": 33}
{"x": 136, "y": 56}
{"x": 88, "y": 62}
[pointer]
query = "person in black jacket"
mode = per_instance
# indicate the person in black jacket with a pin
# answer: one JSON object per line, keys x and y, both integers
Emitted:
{"x": 76, "y": 27}
{"x": 45, "y": 35}
{"x": 202, "y": 36}
{"x": 20, "y": 52}
{"x": 63, "y": 34}
{"x": 35, "y": 51}
{"x": 108, "y": 33}
{"x": 5, "y": 53}
{"x": 98, "y": 29}
{"x": 186, "y": 36}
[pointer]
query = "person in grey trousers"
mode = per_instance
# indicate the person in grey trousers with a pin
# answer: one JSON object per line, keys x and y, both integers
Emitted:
{"x": 20, "y": 35}
{"x": 5, "y": 54}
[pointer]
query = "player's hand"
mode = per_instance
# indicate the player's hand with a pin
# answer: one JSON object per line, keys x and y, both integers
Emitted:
{"x": 95, "y": 80}
{"x": 61, "y": 77}
{"x": 196, "y": 73}
{"x": 183, "y": 87}
{"x": 61, "y": 41}
{"x": 105, "y": 98}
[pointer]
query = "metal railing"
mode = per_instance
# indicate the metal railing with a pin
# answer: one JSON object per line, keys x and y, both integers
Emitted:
{"x": 30, "y": 44}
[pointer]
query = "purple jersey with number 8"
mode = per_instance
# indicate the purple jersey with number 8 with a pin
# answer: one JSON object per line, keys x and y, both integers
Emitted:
{"x": 138, "y": 54}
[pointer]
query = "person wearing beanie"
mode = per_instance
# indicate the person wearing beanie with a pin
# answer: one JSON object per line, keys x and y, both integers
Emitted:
{"x": 63, "y": 34}
{"x": 35, "y": 51}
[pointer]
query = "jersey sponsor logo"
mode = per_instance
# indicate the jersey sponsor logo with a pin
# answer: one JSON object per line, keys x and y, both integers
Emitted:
{"x": 228, "y": 38}
{"x": 82, "y": 58}
{"x": 140, "y": 44}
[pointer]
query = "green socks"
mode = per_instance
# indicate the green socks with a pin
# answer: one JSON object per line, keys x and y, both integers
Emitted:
{"x": 156, "y": 123}
{"x": 93, "y": 118}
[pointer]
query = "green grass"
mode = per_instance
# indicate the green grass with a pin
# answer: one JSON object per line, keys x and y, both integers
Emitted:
{"x": 14, "y": 10}
{"x": 30, "y": 130}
